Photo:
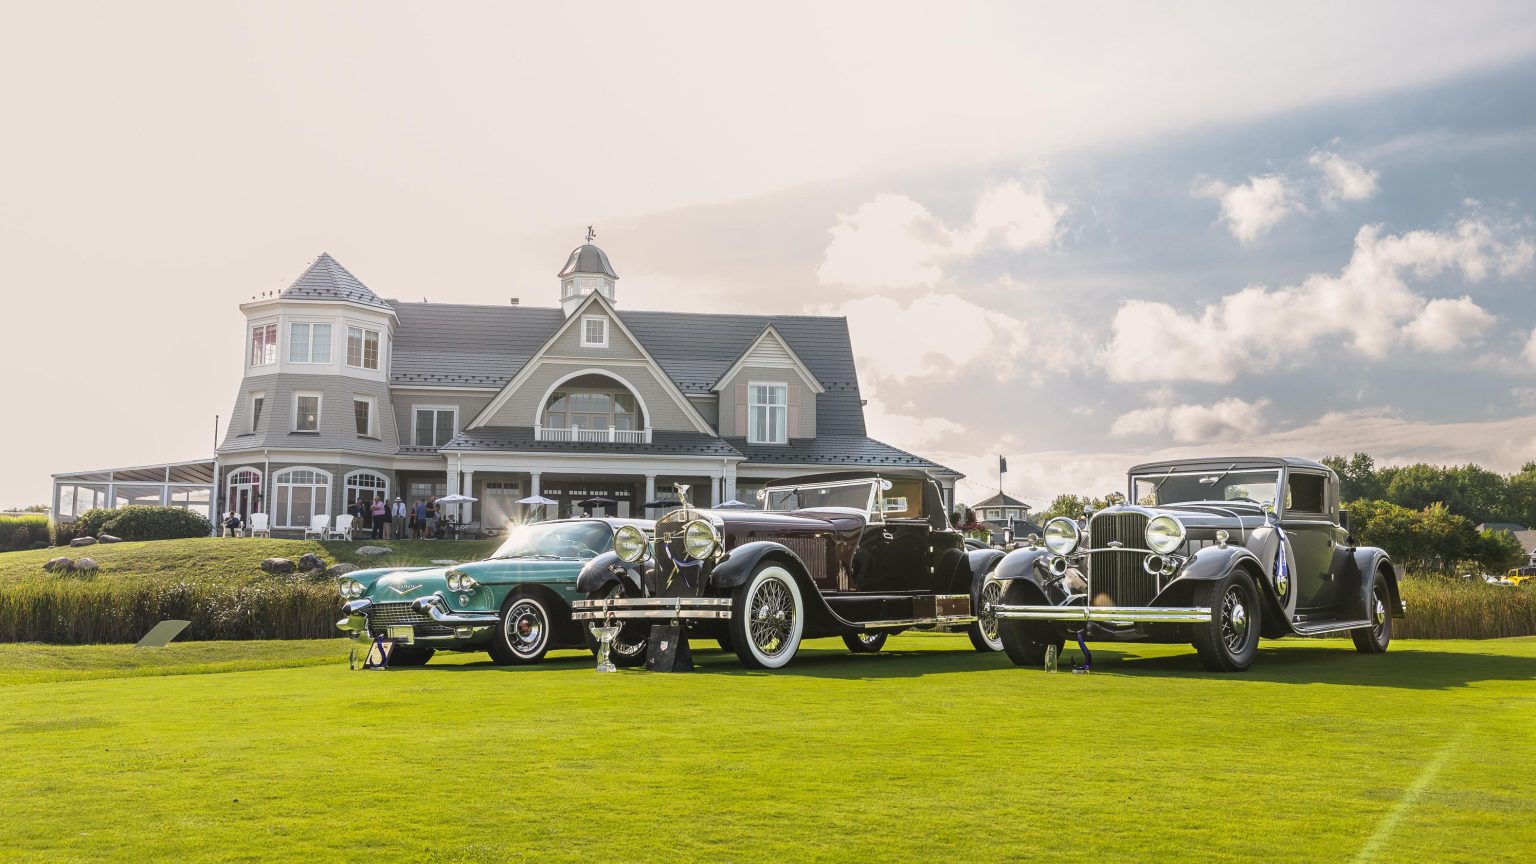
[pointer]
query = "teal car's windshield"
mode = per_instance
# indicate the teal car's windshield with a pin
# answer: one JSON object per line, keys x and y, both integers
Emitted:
{"x": 1180, "y": 487}
{"x": 558, "y": 540}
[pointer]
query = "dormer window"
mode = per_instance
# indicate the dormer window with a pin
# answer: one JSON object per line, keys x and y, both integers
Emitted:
{"x": 362, "y": 348}
{"x": 767, "y": 413}
{"x": 594, "y": 331}
{"x": 264, "y": 345}
{"x": 309, "y": 343}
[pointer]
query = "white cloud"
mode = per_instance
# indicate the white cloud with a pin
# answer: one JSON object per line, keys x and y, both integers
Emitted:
{"x": 1530, "y": 349}
{"x": 1368, "y": 306}
{"x": 1446, "y": 325}
{"x": 1222, "y": 421}
{"x": 1251, "y": 209}
{"x": 892, "y": 241}
{"x": 1343, "y": 180}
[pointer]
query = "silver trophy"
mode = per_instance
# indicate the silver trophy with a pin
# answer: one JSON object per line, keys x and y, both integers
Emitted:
{"x": 605, "y": 636}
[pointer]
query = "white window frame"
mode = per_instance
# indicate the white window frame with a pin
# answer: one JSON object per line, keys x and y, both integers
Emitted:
{"x": 284, "y": 519}
{"x": 752, "y": 427}
{"x": 587, "y": 319}
{"x": 415, "y": 418}
{"x": 277, "y": 343}
{"x": 373, "y": 416}
{"x": 310, "y": 360}
{"x": 349, "y": 483}
{"x": 364, "y": 330}
{"x": 319, "y": 411}
{"x": 256, "y": 396}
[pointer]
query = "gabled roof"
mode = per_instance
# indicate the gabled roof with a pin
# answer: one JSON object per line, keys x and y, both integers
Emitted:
{"x": 856, "y": 451}
{"x": 771, "y": 334}
{"x": 326, "y": 279}
{"x": 588, "y": 259}
{"x": 1001, "y": 499}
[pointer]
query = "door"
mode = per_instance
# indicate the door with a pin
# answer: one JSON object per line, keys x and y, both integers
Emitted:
{"x": 905, "y": 561}
{"x": 1312, "y": 533}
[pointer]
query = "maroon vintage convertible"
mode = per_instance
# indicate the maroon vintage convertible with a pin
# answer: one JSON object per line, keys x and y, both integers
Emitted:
{"x": 854, "y": 555}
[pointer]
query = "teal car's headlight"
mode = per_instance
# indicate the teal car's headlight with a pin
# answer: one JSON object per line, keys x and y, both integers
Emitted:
{"x": 1062, "y": 535}
{"x": 1164, "y": 534}
{"x": 460, "y": 581}
{"x": 699, "y": 539}
{"x": 351, "y": 588}
{"x": 629, "y": 543}
{"x": 453, "y": 581}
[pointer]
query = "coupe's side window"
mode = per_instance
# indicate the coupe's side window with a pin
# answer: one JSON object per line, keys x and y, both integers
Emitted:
{"x": 1306, "y": 493}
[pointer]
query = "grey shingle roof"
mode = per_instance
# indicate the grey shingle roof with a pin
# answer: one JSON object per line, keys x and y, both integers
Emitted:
{"x": 1001, "y": 499}
{"x": 833, "y": 451}
{"x": 588, "y": 259}
{"x": 519, "y": 439}
{"x": 326, "y": 279}
{"x": 454, "y": 345}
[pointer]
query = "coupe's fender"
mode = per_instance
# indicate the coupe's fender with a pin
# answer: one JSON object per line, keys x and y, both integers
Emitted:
{"x": 606, "y": 569}
{"x": 982, "y": 561}
{"x": 1215, "y": 562}
{"x": 737, "y": 565}
{"x": 1367, "y": 560}
{"x": 1027, "y": 563}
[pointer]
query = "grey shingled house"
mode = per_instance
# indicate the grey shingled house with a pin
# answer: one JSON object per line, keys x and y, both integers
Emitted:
{"x": 345, "y": 394}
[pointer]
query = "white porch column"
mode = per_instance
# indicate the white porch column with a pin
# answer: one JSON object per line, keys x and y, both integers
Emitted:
{"x": 54, "y": 513}
{"x": 533, "y": 484}
{"x": 469, "y": 489}
{"x": 730, "y": 481}
{"x": 453, "y": 486}
{"x": 714, "y": 490}
{"x": 650, "y": 489}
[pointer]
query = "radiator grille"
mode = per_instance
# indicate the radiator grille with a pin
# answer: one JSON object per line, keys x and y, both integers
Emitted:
{"x": 1115, "y": 576}
{"x": 382, "y": 615}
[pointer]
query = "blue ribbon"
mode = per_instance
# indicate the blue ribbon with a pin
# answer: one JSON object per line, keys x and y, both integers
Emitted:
{"x": 1282, "y": 566}
{"x": 681, "y": 567}
{"x": 1087, "y": 655}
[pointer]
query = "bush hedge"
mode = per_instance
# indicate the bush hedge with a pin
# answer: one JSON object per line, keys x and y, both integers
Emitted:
{"x": 135, "y": 523}
{"x": 27, "y": 531}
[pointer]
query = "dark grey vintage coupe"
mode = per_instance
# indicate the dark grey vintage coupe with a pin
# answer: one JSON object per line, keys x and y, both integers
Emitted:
{"x": 1213, "y": 552}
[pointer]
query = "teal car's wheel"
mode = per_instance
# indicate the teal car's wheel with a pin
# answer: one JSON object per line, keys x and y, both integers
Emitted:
{"x": 628, "y": 648}
{"x": 523, "y": 635}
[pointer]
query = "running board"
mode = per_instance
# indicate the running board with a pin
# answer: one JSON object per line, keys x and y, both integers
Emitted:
{"x": 1322, "y": 627}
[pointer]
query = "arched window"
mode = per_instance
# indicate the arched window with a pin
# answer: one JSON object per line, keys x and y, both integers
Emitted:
{"x": 592, "y": 402}
{"x": 366, "y": 485}
{"x": 244, "y": 492}
{"x": 300, "y": 494}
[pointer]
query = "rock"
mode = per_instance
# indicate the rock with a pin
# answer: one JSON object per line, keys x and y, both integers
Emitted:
{"x": 108, "y": 538}
{"x": 84, "y": 565}
{"x": 83, "y": 541}
{"x": 374, "y": 550}
{"x": 58, "y": 565}
{"x": 278, "y": 566}
{"x": 310, "y": 562}
{"x": 338, "y": 570}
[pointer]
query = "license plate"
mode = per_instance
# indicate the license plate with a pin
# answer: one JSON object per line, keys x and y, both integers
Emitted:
{"x": 402, "y": 632}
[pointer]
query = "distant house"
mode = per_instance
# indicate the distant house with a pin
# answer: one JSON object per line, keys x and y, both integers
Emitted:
{"x": 1526, "y": 538}
{"x": 347, "y": 395}
{"x": 1006, "y": 515}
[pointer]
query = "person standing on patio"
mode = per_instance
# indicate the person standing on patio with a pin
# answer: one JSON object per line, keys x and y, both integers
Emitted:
{"x": 398, "y": 519}
{"x": 418, "y": 520}
{"x": 380, "y": 513}
{"x": 431, "y": 518}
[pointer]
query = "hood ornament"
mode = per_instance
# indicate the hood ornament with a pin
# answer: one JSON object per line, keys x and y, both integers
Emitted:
{"x": 403, "y": 590}
{"x": 682, "y": 493}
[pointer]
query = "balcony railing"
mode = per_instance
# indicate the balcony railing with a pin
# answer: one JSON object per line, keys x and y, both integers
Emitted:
{"x": 611, "y": 435}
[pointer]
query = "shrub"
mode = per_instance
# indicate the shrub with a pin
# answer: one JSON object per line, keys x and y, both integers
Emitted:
{"x": 22, "y": 532}
{"x": 156, "y": 523}
{"x": 88, "y": 524}
{"x": 60, "y": 533}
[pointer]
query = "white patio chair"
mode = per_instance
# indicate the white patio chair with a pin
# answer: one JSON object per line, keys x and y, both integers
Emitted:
{"x": 343, "y": 529}
{"x": 260, "y": 525}
{"x": 317, "y": 526}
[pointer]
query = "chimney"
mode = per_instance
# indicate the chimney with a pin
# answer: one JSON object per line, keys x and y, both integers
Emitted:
{"x": 514, "y": 301}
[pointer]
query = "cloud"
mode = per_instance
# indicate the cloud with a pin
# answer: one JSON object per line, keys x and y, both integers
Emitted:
{"x": 1368, "y": 307}
{"x": 892, "y": 241}
{"x": 1530, "y": 349}
{"x": 1251, "y": 209}
{"x": 1343, "y": 180}
{"x": 1223, "y": 421}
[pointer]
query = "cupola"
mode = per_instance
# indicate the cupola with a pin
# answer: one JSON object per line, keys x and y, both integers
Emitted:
{"x": 586, "y": 271}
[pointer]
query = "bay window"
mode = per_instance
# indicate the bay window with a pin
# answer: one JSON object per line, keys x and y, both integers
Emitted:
{"x": 264, "y": 345}
{"x": 309, "y": 343}
{"x": 767, "y": 413}
{"x": 362, "y": 348}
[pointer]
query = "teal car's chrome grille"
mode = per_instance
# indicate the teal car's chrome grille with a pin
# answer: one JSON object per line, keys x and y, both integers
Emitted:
{"x": 382, "y": 615}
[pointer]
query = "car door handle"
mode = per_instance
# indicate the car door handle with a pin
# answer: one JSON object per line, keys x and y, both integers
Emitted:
{"x": 887, "y": 536}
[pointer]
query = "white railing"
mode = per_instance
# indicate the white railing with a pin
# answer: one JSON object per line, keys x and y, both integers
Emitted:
{"x": 610, "y": 435}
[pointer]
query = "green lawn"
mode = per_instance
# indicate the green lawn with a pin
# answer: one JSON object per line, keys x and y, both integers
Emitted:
{"x": 927, "y": 752}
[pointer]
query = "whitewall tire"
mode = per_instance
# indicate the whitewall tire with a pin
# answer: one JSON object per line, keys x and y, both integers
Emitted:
{"x": 767, "y": 618}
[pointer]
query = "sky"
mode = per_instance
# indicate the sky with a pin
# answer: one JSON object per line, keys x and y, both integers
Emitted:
{"x": 1079, "y": 237}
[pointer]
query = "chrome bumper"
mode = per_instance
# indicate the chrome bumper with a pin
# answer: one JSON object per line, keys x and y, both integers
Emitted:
{"x": 1106, "y": 614}
{"x": 660, "y": 608}
{"x": 431, "y": 606}
{"x": 355, "y": 624}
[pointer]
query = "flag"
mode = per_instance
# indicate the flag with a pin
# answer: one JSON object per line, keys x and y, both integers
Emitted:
{"x": 1002, "y": 464}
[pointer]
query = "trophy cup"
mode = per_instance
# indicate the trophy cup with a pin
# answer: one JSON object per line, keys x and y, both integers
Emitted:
{"x": 605, "y": 636}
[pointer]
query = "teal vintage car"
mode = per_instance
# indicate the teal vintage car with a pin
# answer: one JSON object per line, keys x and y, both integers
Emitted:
{"x": 515, "y": 605}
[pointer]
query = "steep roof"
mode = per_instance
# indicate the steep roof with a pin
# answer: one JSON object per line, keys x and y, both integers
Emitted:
{"x": 326, "y": 279}
{"x": 1001, "y": 499}
{"x": 588, "y": 259}
{"x": 829, "y": 450}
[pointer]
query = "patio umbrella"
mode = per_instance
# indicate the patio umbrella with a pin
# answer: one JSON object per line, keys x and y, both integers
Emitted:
{"x": 537, "y": 499}
{"x": 662, "y": 503}
{"x": 595, "y": 501}
{"x": 456, "y": 498}
{"x": 732, "y": 504}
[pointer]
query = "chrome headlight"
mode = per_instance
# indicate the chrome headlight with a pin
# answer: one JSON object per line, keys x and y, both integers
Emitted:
{"x": 453, "y": 580}
{"x": 467, "y": 583}
{"x": 1164, "y": 534}
{"x": 629, "y": 543}
{"x": 1062, "y": 535}
{"x": 699, "y": 539}
{"x": 351, "y": 588}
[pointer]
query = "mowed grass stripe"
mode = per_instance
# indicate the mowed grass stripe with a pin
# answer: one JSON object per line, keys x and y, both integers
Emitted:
{"x": 932, "y": 752}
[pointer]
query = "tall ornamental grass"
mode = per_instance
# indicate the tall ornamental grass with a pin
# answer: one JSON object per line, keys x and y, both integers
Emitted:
{"x": 25, "y": 531}
{"x": 74, "y": 611}
{"x": 1444, "y": 608}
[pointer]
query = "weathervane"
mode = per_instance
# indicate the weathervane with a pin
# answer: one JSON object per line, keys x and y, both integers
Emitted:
{"x": 591, "y": 233}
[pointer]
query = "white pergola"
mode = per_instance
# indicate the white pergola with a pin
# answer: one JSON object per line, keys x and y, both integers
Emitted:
{"x": 188, "y": 485}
